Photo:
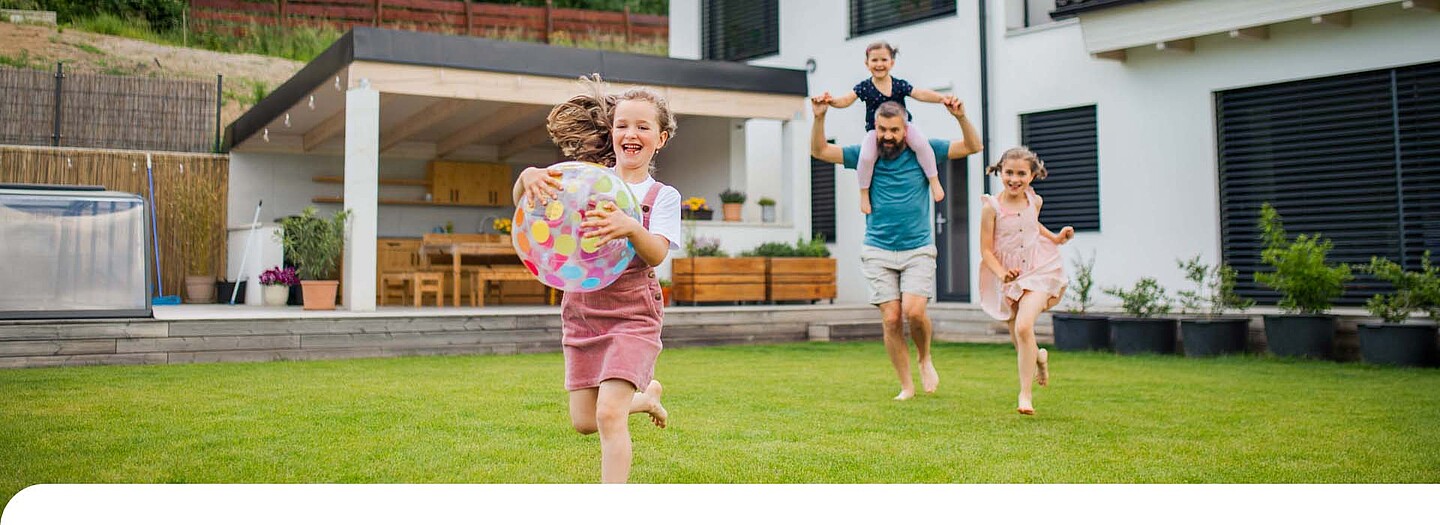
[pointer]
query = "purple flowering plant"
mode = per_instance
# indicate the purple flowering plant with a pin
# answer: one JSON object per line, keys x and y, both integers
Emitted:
{"x": 280, "y": 276}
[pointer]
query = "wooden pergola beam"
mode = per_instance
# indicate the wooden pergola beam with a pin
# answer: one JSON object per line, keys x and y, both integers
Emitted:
{"x": 420, "y": 121}
{"x": 525, "y": 140}
{"x": 323, "y": 132}
{"x": 1117, "y": 55}
{"x": 487, "y": 125}
{"x": 1184, "y": 45}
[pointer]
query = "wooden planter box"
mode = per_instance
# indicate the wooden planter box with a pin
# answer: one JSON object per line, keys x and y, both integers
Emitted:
{"x": 800, "y": 279}
{"x": 704, "y": 279}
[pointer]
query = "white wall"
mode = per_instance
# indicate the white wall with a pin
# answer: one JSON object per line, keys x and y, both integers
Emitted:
{"x": 697, "y": 160}
{"x": 284, "y": 182}
{"x": 1158, "y": 175}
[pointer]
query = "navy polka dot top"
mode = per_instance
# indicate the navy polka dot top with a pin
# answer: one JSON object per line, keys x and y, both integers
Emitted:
{"x": 866, "y": 90}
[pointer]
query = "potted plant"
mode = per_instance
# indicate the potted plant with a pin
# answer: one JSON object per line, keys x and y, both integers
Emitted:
{"x": 1307, "y": 285}
{"x": 1076, "y": 329}
{"x": 666, "y": 290}
{"x": 200, "y": 226}
{"x": 695, "y": 209}
{"x": 502, "y": 226}
{"x": 767, "y": 209}
{"x": 276, "y": 283}
{"x": 1212, "y": 334}
{"x": 1393, "y": 341}
{"x": 732, "y": 201}
{"x": 315, "y": 244}
{"x": 1142, "y": 331}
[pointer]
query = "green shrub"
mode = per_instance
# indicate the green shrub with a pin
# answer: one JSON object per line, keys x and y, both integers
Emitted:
{"x": 1214, "y": 291}
{"x": 730, "y": 196}
{"x": 1306, "y": 283}
{"x": 1146, "y": 299}
{"x": 1413, "y": 290}
{"x": 815, "y": 247}
{"x": 1083, "y": 283}
{"x": 314, "y": 243}
{"x": 771, "y": 249}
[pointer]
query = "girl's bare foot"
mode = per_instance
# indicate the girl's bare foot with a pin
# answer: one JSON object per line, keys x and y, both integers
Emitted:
{"x": 905, "y": 394}
{"x": 1025, "y": 408}
{"x": 929, "y": 378}
{"x": 1042, "y": 371}
{"x": 657, "y": 412}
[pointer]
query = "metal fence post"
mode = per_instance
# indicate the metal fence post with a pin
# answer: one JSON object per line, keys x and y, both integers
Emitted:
{"x": 59, "y": 97}
{"x": 219, "y": 103}
{"x": 549, "y": 20}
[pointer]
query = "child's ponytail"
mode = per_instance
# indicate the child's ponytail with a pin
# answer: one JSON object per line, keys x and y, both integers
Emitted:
{"x": 1037, "y": 166}
{"x": 581, "y": 126}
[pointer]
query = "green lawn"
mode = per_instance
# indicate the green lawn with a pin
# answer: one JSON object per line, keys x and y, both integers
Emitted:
{"x": 800, "y": 413}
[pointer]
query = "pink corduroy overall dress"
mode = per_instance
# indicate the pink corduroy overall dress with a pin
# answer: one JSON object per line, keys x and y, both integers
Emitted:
{"x": 614, "y": 332}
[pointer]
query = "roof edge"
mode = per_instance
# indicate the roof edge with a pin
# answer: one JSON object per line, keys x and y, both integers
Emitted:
{"x": 335, "y": 58}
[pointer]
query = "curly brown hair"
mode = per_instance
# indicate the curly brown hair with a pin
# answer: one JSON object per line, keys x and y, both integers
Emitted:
{"x": 1037, "y": 166}
{"x": 581, "y": 126}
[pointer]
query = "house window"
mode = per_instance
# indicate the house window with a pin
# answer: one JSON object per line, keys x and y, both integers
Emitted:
{"x": 1353, "y": 157}
{"x": 870, "y": 16}
{"x": 822, "y": 199}
{"x": 1066, "y": 140}
{"x": 741, "y": 29}
{"x": 1020, "y": 14}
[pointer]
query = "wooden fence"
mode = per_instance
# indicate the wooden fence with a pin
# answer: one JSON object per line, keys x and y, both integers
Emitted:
{"x": 436, "y": 16}
{"x": 58, "y": 108}
{"x": 191, "y": 191}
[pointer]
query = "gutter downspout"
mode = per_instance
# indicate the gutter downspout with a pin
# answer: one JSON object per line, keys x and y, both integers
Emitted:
{"x": 984, "y": 93}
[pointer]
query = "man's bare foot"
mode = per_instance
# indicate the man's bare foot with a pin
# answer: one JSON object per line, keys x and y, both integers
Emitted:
{"x": 905, "y": 394}
{"x": 657, "y": 412}
{"x": 929, "y": 378}
{"x": 1042, "y": 370}
{"x": 1025, "y": 408}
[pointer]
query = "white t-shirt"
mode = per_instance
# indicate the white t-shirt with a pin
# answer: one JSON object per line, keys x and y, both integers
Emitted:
{"x": 665, "y": 215}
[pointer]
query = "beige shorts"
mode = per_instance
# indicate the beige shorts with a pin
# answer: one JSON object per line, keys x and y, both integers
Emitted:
{"x": 892, "y": 273}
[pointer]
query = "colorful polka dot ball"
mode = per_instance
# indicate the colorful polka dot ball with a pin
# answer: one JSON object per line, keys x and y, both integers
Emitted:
{"x": 553, "y": 246}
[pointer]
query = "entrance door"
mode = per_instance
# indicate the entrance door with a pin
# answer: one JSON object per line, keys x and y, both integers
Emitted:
{"x": 952, "y": 233}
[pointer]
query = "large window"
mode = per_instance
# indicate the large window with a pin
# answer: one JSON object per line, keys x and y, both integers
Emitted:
{"x": 1066, "y": 140}
{"x": 870, "y": 16}
{"x": 740, "y": 29}
{"x": 1353, "y": 157}
{"x": 822, "y": 199}
{"x": 1020, "y": 14}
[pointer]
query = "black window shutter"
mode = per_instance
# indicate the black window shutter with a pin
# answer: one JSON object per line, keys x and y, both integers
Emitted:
{"x": 871, "y": 16}
{"x": 1066, "y": 140}
{"x": 822, "y": 199}
{"x": 737, "y": 30}
{"x": 1353, "y": 157}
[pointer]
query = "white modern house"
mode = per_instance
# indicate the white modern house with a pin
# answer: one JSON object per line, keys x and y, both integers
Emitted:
{"x": 1165, "y": 123}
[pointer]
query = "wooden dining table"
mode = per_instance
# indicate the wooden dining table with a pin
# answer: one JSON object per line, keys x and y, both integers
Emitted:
{"x": 488, "y": 248}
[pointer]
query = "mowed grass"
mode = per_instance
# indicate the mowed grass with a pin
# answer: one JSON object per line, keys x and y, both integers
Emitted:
{"x": 795, "y": 413}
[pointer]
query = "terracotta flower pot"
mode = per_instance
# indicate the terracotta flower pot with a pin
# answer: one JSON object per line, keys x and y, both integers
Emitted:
{"x": 199, "y": 289}
{"x": 732, "y": 211}
{"x": 666, "y": 292}
{"x": 319, "y": 295}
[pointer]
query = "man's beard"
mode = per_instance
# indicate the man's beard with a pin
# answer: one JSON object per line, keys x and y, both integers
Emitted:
{"x": 890, "y": 149}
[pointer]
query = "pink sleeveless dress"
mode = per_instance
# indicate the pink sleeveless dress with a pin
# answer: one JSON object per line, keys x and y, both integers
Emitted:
{"x": 1018, "y": 244}
{"x": 614, "y": 332}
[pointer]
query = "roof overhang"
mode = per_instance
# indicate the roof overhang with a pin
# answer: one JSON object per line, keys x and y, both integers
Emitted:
{"x": 451, "y": 94}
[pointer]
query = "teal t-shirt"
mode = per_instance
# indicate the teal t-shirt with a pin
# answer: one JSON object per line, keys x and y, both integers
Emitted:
{"x": 899, "y": 199}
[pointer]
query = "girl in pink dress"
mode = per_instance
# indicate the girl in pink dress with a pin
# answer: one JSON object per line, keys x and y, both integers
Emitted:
{"x": 612, "y": 336}
{"x": 1021, "y": 274}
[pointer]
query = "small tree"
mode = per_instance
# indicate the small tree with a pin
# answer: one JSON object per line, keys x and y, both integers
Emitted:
{"x": 1146, "y": 299}
{"x": 1306, "y": 283}
{"x": 1214, "y": 291}
{"x": 1084, "y": 281}
{"x": 314, "y": 243}
{"x": 1413, "y": 290}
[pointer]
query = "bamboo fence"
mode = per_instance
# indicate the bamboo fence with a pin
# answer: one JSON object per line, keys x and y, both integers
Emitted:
{"x": 190, "y": 198}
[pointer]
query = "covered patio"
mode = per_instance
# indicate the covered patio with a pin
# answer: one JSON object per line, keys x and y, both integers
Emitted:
{"x": 369, "y": 124}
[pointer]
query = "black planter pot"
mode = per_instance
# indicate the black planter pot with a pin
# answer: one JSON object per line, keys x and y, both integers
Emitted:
{"x": 1398, "y": 344}
{"x": 223, "y": 290}
{"x": 1134, "y": 335}
{"x": 1081, "y": 331}
{"x": 297, "y": 296}
{"x": 1311, "y": 336}
{"x": 1215, "y": 337}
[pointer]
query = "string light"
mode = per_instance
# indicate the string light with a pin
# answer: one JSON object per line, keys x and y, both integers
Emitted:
{"x": 312, "y": 102}
{"x": 266, "y": 135}
{"x": 337, "y": 82}
{"x": 67, "y": 163}
{"x": 287, "y": 120}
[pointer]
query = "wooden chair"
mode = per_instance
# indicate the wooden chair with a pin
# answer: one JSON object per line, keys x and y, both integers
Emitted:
{"x": 393, "y": 283}
{"x": 428, "y": 283}
{"x": 480, "y": 279}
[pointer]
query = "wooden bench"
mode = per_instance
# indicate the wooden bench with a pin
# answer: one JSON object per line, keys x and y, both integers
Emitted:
{"x": 480, "y": 278}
